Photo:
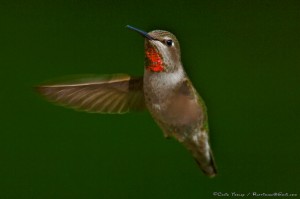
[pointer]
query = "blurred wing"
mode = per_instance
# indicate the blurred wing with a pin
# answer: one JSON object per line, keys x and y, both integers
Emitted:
{"x": 117, "y": 93}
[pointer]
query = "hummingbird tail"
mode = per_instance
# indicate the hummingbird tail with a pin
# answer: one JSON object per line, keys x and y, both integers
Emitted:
{"x": 209, "y": 168}
{"x": 199, "y": 146}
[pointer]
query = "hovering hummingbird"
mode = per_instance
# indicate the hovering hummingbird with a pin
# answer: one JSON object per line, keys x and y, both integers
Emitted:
{"x": 165, "y": 90}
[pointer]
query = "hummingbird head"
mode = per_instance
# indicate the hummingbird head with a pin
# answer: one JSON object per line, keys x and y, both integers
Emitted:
{"x": 162, "y": 51}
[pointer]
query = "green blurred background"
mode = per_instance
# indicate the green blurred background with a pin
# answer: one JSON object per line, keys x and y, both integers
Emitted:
{"x": 243, "y": 57}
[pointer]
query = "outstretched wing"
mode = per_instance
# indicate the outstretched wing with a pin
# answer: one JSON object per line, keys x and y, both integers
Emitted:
{"x": 118, "y": 93}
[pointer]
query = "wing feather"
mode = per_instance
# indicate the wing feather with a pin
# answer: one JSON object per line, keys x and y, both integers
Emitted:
{"x": 117, "y": 93}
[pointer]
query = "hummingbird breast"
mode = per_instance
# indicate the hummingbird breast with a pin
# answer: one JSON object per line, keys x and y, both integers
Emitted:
{"x": 172, "y": 102}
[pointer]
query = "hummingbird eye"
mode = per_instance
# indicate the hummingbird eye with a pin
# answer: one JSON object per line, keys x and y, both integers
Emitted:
{"x": 169, "y": 42}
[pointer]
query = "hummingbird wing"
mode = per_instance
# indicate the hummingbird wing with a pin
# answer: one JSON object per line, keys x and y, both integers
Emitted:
{"x": 118, "y": 93}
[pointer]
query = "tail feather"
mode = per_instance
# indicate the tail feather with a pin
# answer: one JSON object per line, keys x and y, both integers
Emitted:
{"x": 199, "y": 146}
{"x": 208, "y": 167}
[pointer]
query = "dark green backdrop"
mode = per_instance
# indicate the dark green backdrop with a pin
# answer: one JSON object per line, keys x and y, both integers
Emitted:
{"x": 243, "y": 57}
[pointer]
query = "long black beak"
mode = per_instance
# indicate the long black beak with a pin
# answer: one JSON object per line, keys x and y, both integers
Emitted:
{"x": 143, "y": 33}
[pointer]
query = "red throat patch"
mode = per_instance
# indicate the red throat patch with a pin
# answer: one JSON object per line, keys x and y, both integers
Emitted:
{"x": 155, "y": 62}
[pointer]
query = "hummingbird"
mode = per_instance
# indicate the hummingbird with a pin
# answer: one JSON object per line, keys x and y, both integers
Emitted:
{"x": 164, "y": 90}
